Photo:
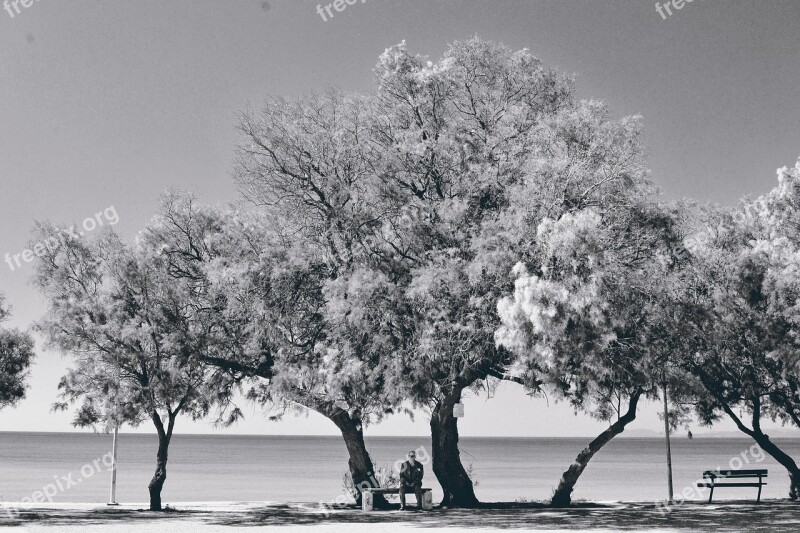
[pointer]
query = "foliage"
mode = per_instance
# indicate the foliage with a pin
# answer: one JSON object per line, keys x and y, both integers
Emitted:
{"x": 743, "y": 304}
{"x": 128, "y": 330}
{"x": 737, "y": 314}
{"x": 16, "y": 355}
{"x": 276, "y": 308}
{"x": 585, "y": 301}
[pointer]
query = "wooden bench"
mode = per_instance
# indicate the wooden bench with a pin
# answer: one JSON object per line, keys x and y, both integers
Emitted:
{"x": 714, "y": 475}
{"x": 368, "y": 497}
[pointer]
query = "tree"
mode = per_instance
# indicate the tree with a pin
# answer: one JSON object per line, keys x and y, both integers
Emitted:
{"x": 435, "y": 183}
{"x": 586, "y": 321}
{"x": 289, "y": 324}
{"x": 593, "y": 246}
{"x": 134, "y": 345}
{"x": 741, "y": 303}
{"x": 16, "y": 354}
{"x": 455, "y": 135}
{"x": 312, "y": 168}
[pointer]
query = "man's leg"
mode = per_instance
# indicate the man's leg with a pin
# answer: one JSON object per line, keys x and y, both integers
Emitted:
{"x": 402, "y": 495}
{"x": 418, "y": 493}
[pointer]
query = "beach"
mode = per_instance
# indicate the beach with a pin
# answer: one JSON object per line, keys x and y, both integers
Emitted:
{"x": 769, "y": 516}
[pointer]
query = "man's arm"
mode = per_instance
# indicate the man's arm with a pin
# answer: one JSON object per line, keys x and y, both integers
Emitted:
{"x": 405, "y": 475}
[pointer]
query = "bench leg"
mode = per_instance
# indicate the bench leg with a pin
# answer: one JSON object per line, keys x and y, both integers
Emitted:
{"x": 366, "y": 501}
{"x": 427, "y": 500}
{"x": 712, "y": 494}
{"x": 759, "y": 490}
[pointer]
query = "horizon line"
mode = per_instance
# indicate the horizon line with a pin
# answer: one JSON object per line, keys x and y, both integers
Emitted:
{"x": 638, "y": 435}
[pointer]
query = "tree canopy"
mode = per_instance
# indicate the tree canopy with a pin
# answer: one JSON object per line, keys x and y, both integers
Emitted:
{"x": 16, "y": 355}
{"x": 741, "y": 307}
{"x": 134, "y": 343}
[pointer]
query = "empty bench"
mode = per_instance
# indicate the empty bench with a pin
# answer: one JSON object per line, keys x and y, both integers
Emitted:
{"x": 714, "y": 475}
{"x": 368, "y": 497}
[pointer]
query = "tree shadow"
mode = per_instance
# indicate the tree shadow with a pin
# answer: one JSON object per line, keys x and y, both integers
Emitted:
{"x": 726, "y": 516}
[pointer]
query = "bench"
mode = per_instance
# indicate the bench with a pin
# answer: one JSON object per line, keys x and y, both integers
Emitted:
{"x": 714, "y": 475}
{"x": 368, "y": 497}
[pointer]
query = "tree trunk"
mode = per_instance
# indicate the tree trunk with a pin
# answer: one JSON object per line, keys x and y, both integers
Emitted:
{"x": 456, "y": 484}
{"x": 563, "y": 493}
{"x": 360, "y": 462}
{"x": 160, "y": 476}
{"x": 783, "y": 458}
{"x": 756, "y": 433}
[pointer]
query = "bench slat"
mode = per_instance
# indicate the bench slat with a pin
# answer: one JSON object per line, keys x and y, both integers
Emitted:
{"x": 735, "y": 473}
{"x": 390, "y": 490}
{"x": 714, "y": 485}
{"x": 732, "y": 477}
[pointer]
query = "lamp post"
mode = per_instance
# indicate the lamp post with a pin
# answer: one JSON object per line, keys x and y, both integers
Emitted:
{"x": 113, "y": 497}
{"x": 669, "y": 450}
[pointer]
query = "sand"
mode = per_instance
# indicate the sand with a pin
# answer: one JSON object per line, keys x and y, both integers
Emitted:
{"x": 201, "y": 517}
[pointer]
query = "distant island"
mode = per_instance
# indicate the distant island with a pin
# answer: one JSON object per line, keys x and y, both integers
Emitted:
{"x": 681, "y": 434}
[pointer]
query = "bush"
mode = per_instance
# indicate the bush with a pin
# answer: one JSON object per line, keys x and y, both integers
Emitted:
{"x": 385, "y": 475}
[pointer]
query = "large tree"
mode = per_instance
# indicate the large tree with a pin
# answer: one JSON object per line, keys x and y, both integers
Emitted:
{"x": 294, "y": 330}
{"x": 592, "y": 242}
{"x": 455, "y": 136}
{"x": 586, "y": 320}
{"x": 738, "y": 314}
{"x": 133, "y": 343}
{"x": 435, "y": 183}
{"x": 16, "y": 354}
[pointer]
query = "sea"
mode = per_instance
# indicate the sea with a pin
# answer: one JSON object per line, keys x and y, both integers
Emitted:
{"x": 73, "y": 467}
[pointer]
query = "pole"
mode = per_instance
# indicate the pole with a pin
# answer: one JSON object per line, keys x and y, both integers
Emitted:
{"x": 113, "y": 498}
{"x": 669, "y": 450}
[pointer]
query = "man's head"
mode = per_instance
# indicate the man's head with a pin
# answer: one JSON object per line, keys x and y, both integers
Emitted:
{"x": 412, "y": 456}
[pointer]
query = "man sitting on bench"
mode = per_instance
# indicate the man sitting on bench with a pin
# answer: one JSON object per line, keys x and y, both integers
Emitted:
{"x": 411, "y": 479}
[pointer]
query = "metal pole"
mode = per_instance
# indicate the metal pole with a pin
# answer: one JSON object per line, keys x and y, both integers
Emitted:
{"x": 669, "y": 450}
{"x": 113, "y": 498}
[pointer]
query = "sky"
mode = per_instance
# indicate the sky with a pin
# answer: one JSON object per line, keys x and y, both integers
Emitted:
{"x": 105, "y": 105}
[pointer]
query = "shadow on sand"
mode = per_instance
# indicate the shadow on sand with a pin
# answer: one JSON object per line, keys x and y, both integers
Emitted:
{"x": 726, "y": 516}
